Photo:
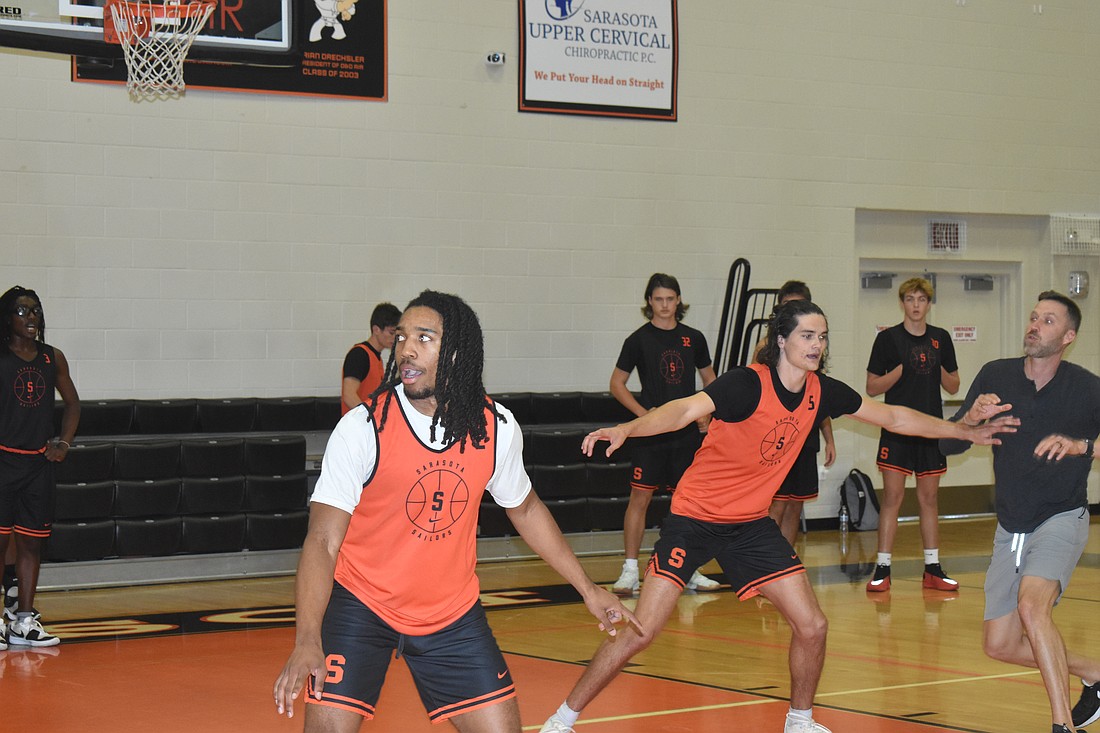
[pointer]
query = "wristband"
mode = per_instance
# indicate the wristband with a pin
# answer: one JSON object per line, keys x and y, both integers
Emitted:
{"x": 67, "y": 446}
{"x": 1089, "y": 447}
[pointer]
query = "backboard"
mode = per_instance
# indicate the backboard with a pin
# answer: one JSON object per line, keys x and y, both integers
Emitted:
{"x": 239, "y": 31}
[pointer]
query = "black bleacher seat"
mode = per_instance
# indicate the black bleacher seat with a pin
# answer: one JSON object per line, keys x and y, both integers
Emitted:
{"x": 86, "y": 463}
{"x": 326, "y": 412}
{"x": 603, "y": 409}
{"x": 212, "y": 457}
{"x": 271, "y": 456}
{"x": 605, "y": 513}
{"x": 276, "y": 530}
{"x": 92, "y": 540}
{"x": 145, "y": 498}
{"x": 92, "y": 500}
{"x": 151, "y": 536}
{"x": 154, "y": 460}
{"x": 570, "y": 514}
{"x": 608, "y": 479}
{"x": 216, "y": 533}
{"x": 519, "y": 403}
{"x": 493, "y": 520}
{"x": 106, "y": 417}
{"x": 275, "y": 493}
{"x": 214, "y": 495}
{"x": 154, "y": 417}
{"x": 284, "y": 413}
{"x": 237, "y": 415}
{"x": 559, "y": 482}
{"x": 553, "y": 447}
{"x": 549, "y": 408}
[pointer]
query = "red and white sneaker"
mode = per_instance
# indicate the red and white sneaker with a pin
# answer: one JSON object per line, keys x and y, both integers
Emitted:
{"x": 880, "y": 581}
{"x": 936, "y": 579}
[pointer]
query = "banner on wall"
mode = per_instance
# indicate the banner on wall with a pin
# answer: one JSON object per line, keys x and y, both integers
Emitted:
{"x": 614, "y": 58}
{"x": 338, "y": 49}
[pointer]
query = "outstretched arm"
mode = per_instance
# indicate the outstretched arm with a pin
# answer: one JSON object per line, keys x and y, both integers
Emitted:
{"x": 904, "y": 421}
{"x": 538, "y": 529}
{"x": 665, "y": 419}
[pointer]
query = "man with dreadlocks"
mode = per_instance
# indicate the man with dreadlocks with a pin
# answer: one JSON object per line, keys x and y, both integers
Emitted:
{"x": 30, "y": 372}
{"x": 762, "y": 415}
{"x": 388, "y": 562}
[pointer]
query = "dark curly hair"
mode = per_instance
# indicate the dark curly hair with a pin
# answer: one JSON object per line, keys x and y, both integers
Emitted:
{"x": 459, "y": 391}
{"x": 7, "y": 307}
{"x": 783, "y": 322}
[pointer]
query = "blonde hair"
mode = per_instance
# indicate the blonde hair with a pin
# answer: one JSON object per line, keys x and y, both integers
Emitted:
{"x": 918, "y": 284}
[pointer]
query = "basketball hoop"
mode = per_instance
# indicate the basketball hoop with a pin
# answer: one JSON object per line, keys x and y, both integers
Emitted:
{"x": 155, "y": 36}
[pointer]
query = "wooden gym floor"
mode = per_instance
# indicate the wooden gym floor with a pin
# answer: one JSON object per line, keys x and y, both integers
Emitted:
{"x": 193, "y": 657}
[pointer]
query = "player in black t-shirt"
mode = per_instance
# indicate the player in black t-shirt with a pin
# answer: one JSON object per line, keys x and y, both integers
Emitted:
{"x": 666, "y": 354}
{"x": 910, "y": 362}
{"x": 30, "y": 372}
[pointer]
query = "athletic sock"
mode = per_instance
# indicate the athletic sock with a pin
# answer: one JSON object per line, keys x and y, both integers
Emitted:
{"x": 884, "y": 559}
{"x": 932, "y": 557}
{"x": 567, "y": 715}
{"x": 631, "y": 563}
{"x": 807, "y": 714}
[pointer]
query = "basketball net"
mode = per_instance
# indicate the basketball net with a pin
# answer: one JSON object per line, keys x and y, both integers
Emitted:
{"x": 155, "y": 38}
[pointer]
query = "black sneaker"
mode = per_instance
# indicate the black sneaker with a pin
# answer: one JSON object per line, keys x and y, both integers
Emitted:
{"x": 880, "y": 581}
{"x": 1087, "y": 709}
{"x": 936, "y": 578}
{"x": 1059, "y": 728}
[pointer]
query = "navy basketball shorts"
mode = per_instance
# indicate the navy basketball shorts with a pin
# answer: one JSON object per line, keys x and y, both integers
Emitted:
{"x": 457, "y": 669}
{"x": 801, "y": 482}
{"x": 909, "y": 454}
{"x": 661, "y": 464}
{"x": 752, "y": 554}
{"x": 27, "y": 490}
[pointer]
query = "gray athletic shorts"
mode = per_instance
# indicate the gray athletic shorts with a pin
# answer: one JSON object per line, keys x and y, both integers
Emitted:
{"x": 1050, "y": 552}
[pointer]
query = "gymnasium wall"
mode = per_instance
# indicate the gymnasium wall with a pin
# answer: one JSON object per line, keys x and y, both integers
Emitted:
{"x": 234, "y": 244}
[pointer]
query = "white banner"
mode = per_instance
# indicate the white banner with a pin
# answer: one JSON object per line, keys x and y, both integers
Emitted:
{"x": 602, "y": 57}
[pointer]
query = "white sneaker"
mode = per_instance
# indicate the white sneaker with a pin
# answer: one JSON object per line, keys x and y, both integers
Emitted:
{"x": 802, "y": 725}
{"x": 701, "y": 582}
{"x": 553, "y": 725}
{"x": 626, "y": 585}
{"x": 3, "y": 635}
{"x": 29, "y": 632}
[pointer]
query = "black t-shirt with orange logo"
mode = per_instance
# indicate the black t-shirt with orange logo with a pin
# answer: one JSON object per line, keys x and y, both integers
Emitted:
{"x": 758, "y": 430}
{"x": 27, "y": 400}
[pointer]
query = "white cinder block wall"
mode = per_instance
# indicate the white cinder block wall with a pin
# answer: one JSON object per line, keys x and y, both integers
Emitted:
{"x": 234, "y": 244}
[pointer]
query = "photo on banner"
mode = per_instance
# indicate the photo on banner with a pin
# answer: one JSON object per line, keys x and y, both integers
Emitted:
{"x": 612, "y": 58}
{"x": 334, "y": 48}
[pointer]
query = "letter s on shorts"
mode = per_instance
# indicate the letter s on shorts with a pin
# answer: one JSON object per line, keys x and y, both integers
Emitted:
{"x": 334, "y": 663}
{"x": 676, "y": 557}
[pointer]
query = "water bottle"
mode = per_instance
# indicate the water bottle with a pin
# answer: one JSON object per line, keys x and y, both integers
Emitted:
{"x": 843, "y": 517}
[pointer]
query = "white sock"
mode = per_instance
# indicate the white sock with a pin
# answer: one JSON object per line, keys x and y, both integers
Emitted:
{"x": 631, "y": 563}
{"x": 567, "y": 715}
{"x": 931, "y": 557}
{"x": 884, "y": 558}
{"x": 807, "y": 714}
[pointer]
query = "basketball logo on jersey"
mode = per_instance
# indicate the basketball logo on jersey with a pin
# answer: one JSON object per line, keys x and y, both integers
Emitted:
{"x": 30, "y": 386}
{"x": 922, "y": 359}
{"x": 780, "y": 440}
{"x": 672, "y": 367}
{"x": 436, "y": 501}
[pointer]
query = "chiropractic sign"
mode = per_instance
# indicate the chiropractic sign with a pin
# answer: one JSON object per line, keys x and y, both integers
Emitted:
{"x": 613, "y": 58}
